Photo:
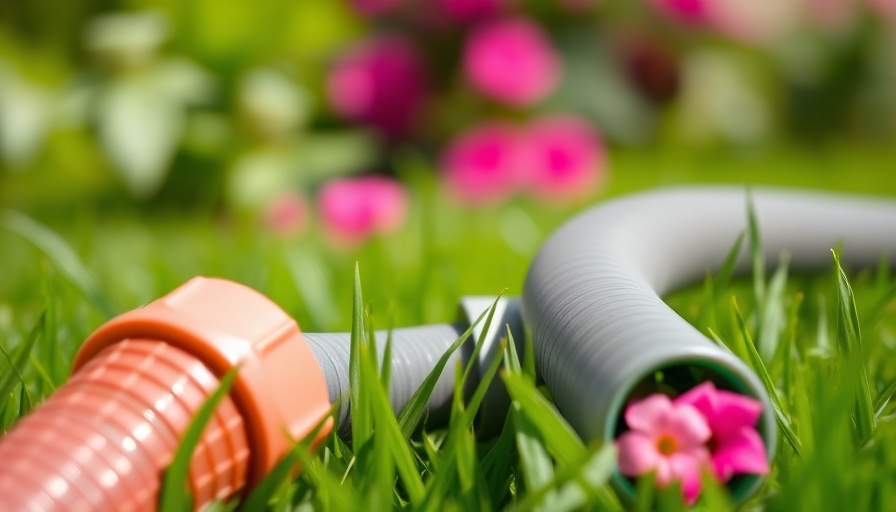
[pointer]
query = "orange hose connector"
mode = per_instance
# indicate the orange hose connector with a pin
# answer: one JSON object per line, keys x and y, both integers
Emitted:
{"x": 103, "y": 441}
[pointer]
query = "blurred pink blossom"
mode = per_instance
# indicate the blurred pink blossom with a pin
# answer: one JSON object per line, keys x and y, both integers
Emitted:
{"x": 287, "y": 214}
{"x": 665, "y": 437}
{"x": 381, "y": 82}
{"x": 564, "y": 158}
{"x": 754, "y": 21}
{"x": 354, "y": 209}
{"x": 886, "y": 8}
{"x": 375, "y": 8}
{"x": 481, "y": 166}
{"x": 472, "y": 10}
{"x": 835, "y": 15}
{"x": 736, "y": 445}
{"x": 512, "y": 61}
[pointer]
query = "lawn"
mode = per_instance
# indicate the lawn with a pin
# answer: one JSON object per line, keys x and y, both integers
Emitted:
{"x": 90, "y": 262}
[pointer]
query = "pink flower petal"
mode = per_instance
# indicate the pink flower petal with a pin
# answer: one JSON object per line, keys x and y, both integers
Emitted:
{"x": 742, "y": 452}
{"x": 381, "y": 82}
{"x": 481, "y": 166}
{"x": 354, "y": 209}
{"x": 701, "y": 397}
{"x": 733, "y": 412}
{"x": 686, "y": 469}
{"x": 564, "y": 158}
{"x": 637, "y": 454}
{"x": 511, "y": 61}
{"x": 287, "y": 214}
{"x": 649, "y": 415}
{"x": 725, "y": 412}
{"x": 688, "y": 427}
{"x": 473, "y": 10}
{"x": 664, "y": 475}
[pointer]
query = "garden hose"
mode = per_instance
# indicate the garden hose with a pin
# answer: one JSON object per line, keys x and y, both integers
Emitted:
{"x": 591, "y": 299}
{"x": 103, "y": 441}
{"x": 592, "y": 294}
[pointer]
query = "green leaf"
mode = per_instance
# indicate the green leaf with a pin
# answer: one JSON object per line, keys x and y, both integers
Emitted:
{"x": 263, "y": 492}
{"x": 726, "y": 271}
{"x": 362, "y": 421}
{"x": 584, "y": 482}
{"x": 389, "y": 433}
{"x": 11, "y": 370}
{"x": 561, "y": 440}
{"x": 755, "y": 361}
{"x": 774, "y": 315}
{"x": 850, "y": 342}
{"x": 883, "y": 398}
{"x": 498, "y": 461}
{"x": 537, "y": 466}
{"x": 60, "y": 254}
{"x": 413, "y": 411}
{"x": 140, "y": 126}
{"x": 26, "y": 111}
{"x": 756, "y": 255}
{"x": 174, "y": 495}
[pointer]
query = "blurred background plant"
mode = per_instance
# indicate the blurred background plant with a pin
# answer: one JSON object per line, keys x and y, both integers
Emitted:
{"x": 235, "y": 107}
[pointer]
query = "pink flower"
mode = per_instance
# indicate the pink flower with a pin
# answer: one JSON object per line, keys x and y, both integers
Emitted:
{"x": 354, "y": 209}
{"x": 375, "y": 8}
{"x": 512, "y": 61}
{"x": 736, "y": 445}
{"x": 482, "y": 165}
{"x": 885, "y": 8}
{"x": 564, "y": 158}
{"x": 287, "y": 214}
{"x": 755, "y": 21}
{"x": 471, "y": 10}
{"x": 381, "y": 83}
{"x": 689, "y": 11}
{"x": 665, "y": 437}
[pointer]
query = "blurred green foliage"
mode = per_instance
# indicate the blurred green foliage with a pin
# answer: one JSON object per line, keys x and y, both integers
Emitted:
{"x": 223, "y": 103}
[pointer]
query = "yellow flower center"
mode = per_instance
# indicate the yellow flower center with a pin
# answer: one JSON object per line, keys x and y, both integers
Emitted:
{"x": 666, "y": 445}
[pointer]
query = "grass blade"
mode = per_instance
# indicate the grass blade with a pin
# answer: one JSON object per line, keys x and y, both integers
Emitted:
{"x": 757, "y": 258}
{"x": 850, "y": 342}
{"x": 883, "y": 398}
{"x": 537, "y": 466}
{"x": 561, "y": 440}
{"x": 173, "y": 494}
{"x": 362, "y": 424}
{"x": 774, "y": 316}
{"x": 265, "y": 490}
{"x": 755, "y": 361}
{"x": 726, "y": 271}
{"x": 16, "y": 360}
{"x": 61, "y": 254}
{"x": 389, "y": 433}
{"x": 413, "y": 411}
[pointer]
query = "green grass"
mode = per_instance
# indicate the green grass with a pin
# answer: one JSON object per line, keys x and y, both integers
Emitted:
{"x": 822, "y": 344}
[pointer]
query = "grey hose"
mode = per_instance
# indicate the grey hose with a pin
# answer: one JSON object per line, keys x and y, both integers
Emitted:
{"x": 415, "y": 351}
{"x": 592, "y": 295}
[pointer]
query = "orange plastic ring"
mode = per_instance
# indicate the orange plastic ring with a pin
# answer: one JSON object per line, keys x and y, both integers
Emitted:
{"x": 279, "y": 389}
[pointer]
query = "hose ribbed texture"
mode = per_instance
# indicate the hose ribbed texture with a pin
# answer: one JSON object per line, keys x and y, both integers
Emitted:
{"x": 592, "y": 296}
{"x": 415, "y": 351}
{"x": 103, "y": 440}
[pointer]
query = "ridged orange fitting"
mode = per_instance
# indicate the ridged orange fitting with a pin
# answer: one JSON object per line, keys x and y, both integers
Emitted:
{"x": 103, "y": 441}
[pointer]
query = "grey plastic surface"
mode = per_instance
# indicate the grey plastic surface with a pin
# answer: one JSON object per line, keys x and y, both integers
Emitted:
{"x": 415, "y": 351}
{"x": 592, "y": 295}
{"x": 508, "y": 313}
